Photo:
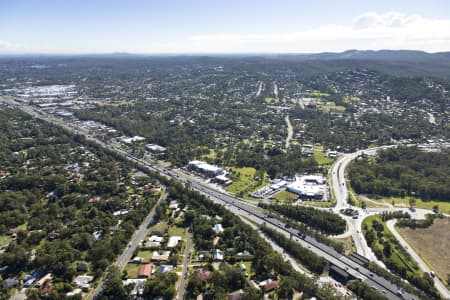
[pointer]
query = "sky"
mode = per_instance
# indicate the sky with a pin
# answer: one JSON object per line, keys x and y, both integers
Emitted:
{"x": 227, "y": 26}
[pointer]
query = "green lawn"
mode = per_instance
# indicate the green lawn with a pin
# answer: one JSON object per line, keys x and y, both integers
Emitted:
{"x": 23, "y": 226}
{"x": 160, "y": 226}
{"x": 244, "y": 181}
{"x": 318, "y": 203}
{"x": 351, "y": 99}
{"x": 321, "y": 159}
{"x": 132, "y": 270}
{"x": 285, "y": 196}
{"x": 332, "y": 107}
{"x": 146, "y": 255}
{"x": 179, "y": 231}
{"x": 248, "y": 266}
{"x": 211, "y": 154}
{"x": 5, "y": 240}
{"x": 444, "y": 207}
{"x": 318, "y": 94}
{"x": 269, "y": 100}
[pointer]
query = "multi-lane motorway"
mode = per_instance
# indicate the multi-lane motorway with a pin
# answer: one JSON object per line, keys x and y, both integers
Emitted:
{"x": 333, "y": 257}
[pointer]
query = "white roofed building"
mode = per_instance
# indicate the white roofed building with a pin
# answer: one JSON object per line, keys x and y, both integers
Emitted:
{"x": 205, "y": 168}
{"x": 308, "y": 187}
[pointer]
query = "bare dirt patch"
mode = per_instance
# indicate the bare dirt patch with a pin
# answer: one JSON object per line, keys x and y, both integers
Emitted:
{"x": 432, "y": 244}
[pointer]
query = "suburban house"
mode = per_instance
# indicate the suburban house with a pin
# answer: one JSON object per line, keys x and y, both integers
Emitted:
{"x": 173, "y": 241}
{"x": 145, "y": 271}
{"x": 236, "y": 295}
{"x": 203, "y": 274}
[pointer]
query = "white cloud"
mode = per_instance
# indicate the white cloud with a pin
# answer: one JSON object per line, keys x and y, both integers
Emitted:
{"x": 371, "y": 30}
{"x": 4, "y": 45}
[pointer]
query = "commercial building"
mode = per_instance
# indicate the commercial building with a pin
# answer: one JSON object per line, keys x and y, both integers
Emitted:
{"x": 130, "y": 140}
{"x": 308, "y": 187}
{"x": 215, "y": 173}
{"x": 205, "y": 168}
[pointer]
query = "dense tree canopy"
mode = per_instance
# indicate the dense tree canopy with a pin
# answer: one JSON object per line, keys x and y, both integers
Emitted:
{"x": 404, "y": 171}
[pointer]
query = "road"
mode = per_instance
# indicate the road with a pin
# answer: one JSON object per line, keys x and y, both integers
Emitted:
{"x": 354, "y": 226}
{"x": 339, "y": 186}
{"x": 290, "y": 131}
{"x": 260, "y": 87}
{"x": 184, "y": 273}
{"x": 253, "y": 213}
{"x": 437, "y": 283}
{"x": 333, "y": 257}
{"x": 135, "y": 240}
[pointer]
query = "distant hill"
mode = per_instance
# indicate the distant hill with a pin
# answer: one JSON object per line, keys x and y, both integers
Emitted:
{"x": 393, "y": 62}
{"x": 396, "y": 62}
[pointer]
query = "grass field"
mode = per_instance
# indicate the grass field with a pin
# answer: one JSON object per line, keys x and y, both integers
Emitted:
{"x": 211, "y": 154}
{"x": 351, "y": 99}
{"x": 318, "y": 94}
{"x": 318, "y": 203}
{"x": 284, "y": 196}
{"x": 132, "y": 270}
{"x": 432, "y": 244}
{"x": 146, "y": 255}
{"x": 244, "y": 181}
{"x": 5, "y": 240}
{"x": 160, "y": 226}
{"x": 332, "y": 107}
{"x": 270, "y": 100}
{"x": 444, "y": 207}
{"x": 321, "y": 159}
{"x": 179, "y": 231}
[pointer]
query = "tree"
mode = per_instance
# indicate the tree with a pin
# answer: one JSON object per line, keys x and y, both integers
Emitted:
{"x": 251, "y": 293}
{"x": 412, "y": 202}
{"x": 163, "y": 284}
{"x": 113, "y": 287}
{"x": 436, "y": 208}
{"x": 387, "y": 249}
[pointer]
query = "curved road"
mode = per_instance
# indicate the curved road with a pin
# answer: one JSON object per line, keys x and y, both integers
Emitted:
{"x": 437, "y": 283}
{"x": 341, "y": 193}
{"x": 290, "y": 132}
{"x": 333, "y": 257}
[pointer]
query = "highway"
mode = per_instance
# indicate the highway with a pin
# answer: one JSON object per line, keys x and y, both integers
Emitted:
{"x": 333, "y": 257}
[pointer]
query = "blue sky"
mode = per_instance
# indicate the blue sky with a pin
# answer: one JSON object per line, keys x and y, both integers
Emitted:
{"x": 228, "y": 26}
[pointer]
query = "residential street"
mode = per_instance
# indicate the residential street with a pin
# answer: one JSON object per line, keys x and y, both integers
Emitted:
{"x": 127, "y": 253}
{"x": 185, "y": 272}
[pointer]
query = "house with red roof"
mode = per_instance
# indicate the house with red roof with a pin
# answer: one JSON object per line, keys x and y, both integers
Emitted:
{"x": 145, "y": 270}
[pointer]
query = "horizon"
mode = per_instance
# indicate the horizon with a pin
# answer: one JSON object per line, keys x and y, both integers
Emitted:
{"x": 202, "y": 27}
{"x": 218, "y": 54}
